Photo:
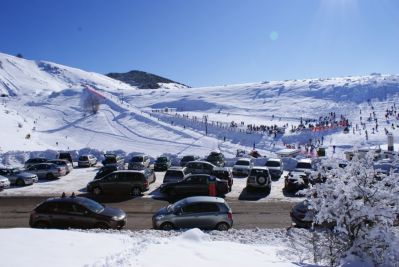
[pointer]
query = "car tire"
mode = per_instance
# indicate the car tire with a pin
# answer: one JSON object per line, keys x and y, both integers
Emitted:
{"x": 136, "y": 191}
{"x": 50, "y": 176}
{"x": 222, "y": 226}
{"x": 261, "y": 180}
{"x": 101, "y": 225}
{"x": 20, "y": 182}
{"x": 41, "y": 225}
{"x": 167, "y": 226}
{"x": 97, "y": 191}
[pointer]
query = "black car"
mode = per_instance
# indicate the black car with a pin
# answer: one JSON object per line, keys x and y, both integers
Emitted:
{"x": 216, "y": 158}
{"x": 224, "y": 174}
{"x": 122, "y": 182}
{"x": 195, "y": 185}
{"x": 34, "y": 161}
{"x": 187, "y": 159}
{"x": 113, "y": 160}
{"x": 76, "y": 212}
{"x": 295, "y": 181}
{"x": 162, "y": 163}
{"x": 303, "y": 216}
{"x": 65, "y": 155}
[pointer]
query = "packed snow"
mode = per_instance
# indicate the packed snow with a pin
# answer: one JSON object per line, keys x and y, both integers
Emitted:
{"x": 140, "y": 249}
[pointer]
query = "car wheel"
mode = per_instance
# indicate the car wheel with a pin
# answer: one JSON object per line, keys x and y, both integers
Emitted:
{"x": 97, "y": 191}
{"x": 167, "y": 226}
{"x": 20, "y": 182}
{"x": 136, "y": 191}
{"x": 101, "y": 226}
{"x": 50, "y": 176}
{"x": 222, "y": 226}
{"x": 261, "y": 180}
{"x": 41, "y": 225}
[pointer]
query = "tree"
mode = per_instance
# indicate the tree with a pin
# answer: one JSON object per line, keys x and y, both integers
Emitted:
{"x": 91, "y": 103}
{"x": 363, "y": 204}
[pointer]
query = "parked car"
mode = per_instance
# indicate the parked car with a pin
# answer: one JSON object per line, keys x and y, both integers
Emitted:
{"x": 47, "y": 170}
{"x": 305, "y": 165}
{"x": 34, "y": 161}
{"x": 65, "y": 155}
{"x": 162, "y": 163}
{"x": 276, "y": 167}
{"x": 216, "y": 158}
{"x": 195, "y": 185}
{"x": 76, "y": 212}
{"x": 302, "y": 215}
{"x": 139, "y": 162}
{"x": 105, "y": 170}
{"x": 121, "y": 182}
{"x": 199, "y": 167}
{"x": 187, "y": 159}
{"x": 150, "y": 175}
{"x": 4, "y": 183}
{"x": 295, "y": 181}
{"x": 224, "y": 174}
{"x": 174, "y": 174}
{"x": 18, "y": 177}
{"x": 87, "y": 160}
{"x": 205, "y": 167}
{"x": 242, "y": 167}
{"x": 113, "y": 159}
{"x": 195, "y": 212}
{"x": 63, "y": 163}
{"x": 259, "y": 177}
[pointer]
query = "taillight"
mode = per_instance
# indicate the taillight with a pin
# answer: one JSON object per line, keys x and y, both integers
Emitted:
{"x": 230, "y": 215}
{"x": 146, "y": 183}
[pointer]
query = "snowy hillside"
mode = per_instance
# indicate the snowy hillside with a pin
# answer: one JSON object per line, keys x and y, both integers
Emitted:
{"x": 44, "y": 111}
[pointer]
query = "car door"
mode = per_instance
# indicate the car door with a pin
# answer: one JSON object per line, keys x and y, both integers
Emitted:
{"x": 81, "y": 217}
{"x": 196, "y": 185}
{"x": 108, "y": 183}
{"x": 62, "y": 217}
{"x": 209, "y": 216}
{"x": 189, "y": 217}
{"x": 124, "y": 182}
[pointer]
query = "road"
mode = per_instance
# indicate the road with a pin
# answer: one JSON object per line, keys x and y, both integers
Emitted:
{"x": 14, "y": 212}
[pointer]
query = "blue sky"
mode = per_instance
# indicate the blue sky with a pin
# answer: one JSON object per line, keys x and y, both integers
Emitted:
{"x": 208, "y": 42}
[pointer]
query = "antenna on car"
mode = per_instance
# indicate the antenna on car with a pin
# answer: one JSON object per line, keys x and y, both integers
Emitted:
{"x": 73, "y": 194}
{"x": 63, "y": 194}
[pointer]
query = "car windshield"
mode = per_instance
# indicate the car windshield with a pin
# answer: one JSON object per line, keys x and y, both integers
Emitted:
{"x": 162, "y": 159}
{"x": 83, "y": 158}
{"x": 273, "y": 163}
{"x": 179, "y": 174}
{"x": 242, "y": 162}
{"x": 176, "y": 206}
{"x": 92, "y": 205}
{"x": 137, "y": 159}
{"x": 304, "y": 165}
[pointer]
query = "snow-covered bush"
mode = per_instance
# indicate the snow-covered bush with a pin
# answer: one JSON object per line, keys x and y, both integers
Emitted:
{"x": 363, "y": 206}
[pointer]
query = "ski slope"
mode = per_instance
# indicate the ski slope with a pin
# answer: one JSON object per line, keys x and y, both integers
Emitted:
{"x": 44, "y": 110}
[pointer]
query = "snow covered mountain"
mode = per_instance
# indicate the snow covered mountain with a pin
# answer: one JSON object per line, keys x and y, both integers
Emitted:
{"x": 41, "y": 108}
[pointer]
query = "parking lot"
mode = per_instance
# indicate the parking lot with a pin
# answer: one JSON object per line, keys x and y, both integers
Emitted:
{"x": 77, "y": 180}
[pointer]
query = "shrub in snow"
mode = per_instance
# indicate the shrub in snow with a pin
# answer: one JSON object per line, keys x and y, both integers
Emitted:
{"x": 363, "y": 206}
{"x": 91, "y": 103}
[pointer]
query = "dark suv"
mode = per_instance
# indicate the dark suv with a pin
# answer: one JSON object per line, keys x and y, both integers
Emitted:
{"x": 216, "y": 158}
{"x": 187, "y": 159}
{"x": 205, "y": 167}
{"x": 194, "y": 185}
{"x": 76, "y": 212}
{"x": 127, "y": 182}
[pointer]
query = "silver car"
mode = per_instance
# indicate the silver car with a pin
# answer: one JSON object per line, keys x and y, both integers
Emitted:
{"x": 63, "y": 163}
{"x": 139, "y": 162}
{"x": 242, "y": 167}
{"x": 4, "y": 182}
{"x": 276, "y": 167}
{"x": 259, "y": 177}
{"x": 47, "y": 170}
{"x": 19, "y": 177}
{"x": 195, "y": 212}
{"x": 87, "y": 160}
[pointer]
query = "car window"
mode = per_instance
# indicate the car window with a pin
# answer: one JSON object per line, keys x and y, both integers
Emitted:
{"x": 273, "y": 163}
{"x": 110, "y": 178}
{"x": 304, "y": 165}
{"x": 64, "y": 207}
{"x": 77, "y": 209}
{"x": 243, "y": 162}
{"x": 48, "y": 207}
{"x": 209, "y": 207}
{"x": 207, "y": 167}
{"x": 192, "y": 208}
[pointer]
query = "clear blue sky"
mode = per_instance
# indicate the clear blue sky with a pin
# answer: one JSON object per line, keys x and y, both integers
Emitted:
{"x": 208, "y": 42}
